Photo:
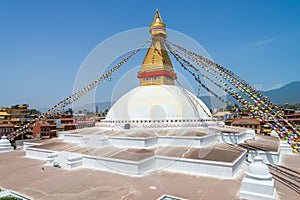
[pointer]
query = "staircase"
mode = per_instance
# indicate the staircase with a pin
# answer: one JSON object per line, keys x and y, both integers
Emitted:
{"x": 61, "y": 159}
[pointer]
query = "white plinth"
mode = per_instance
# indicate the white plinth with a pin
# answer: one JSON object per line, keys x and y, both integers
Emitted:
{"x": 5, "y": 145}
{"x": 258, "y": 182}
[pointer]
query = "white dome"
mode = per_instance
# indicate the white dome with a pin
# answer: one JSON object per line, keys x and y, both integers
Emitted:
{"x": 158, "y": 102}
{"x": 258, "y": 169}
{"x": 4, "y": 140}
{"x": 5, "y": 144}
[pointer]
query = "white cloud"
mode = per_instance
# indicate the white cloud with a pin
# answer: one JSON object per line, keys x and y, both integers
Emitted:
{"x": 276, "y": 86}
{"x": 261, "y": 87}
{"x": 258, "y": 86}
{"x": 263, "y": 42}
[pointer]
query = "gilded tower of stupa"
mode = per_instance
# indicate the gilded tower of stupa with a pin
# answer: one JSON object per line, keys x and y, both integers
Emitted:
{"x": 157, "y": 68}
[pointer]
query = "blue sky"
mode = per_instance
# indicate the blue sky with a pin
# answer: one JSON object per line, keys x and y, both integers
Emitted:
{"x": 43, "y": 43}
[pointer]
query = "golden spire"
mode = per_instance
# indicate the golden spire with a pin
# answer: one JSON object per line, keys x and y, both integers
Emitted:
{"x": 157, "y": 68}
{"x": 157, "y": 26}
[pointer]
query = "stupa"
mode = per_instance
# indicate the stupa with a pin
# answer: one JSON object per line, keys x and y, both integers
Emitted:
{"x": 155, "y": 126}
{"x": 157, "y": 129}
{"x": 157, "y": 99}
{"x": 258, "y": 182}
{"x": 5, "y": 144}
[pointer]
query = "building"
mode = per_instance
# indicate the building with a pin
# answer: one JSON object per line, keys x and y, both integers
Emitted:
{"x": 19, "y": 111}
{"x": 247, "y": 123}
{"x": 44, "y": 130}
{"x": 68, "y": 123}
{"x": 4, "y": 117}
{"x": 6, "y": 129}
{"x": 83, "y": 121}
{"x": 17, "y": 115}
{"x": 63, "y": 123}
{"x": 294, "y": 118}
{"x": 85, "y": 124}
{"x": 222, "y": 115}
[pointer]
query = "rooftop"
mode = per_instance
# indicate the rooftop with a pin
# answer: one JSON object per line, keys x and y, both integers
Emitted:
{"x": 245, "y": 121}
{"x": 55, "y": 183}
{"x": 4, "y": 114}
{"x": 221, "y": 113}
{"x": 7, "y": 125}
{"x": 218, "y": 152}
{"x": 264, "y": 143}
{"x": 45, "y": 124}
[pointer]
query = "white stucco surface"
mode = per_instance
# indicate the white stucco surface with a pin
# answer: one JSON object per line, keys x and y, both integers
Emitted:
{"x": 158, "y": 102}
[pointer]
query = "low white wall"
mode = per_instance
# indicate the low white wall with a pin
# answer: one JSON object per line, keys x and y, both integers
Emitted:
{"x": 209, "y": 139}
{"x": 268, "y": 156}
{"x": 73, "y": 138}
{"x": 37, "y": 153}
{"x": 74, "y": 162}
{"x": 285, "y": 148}
{"x": 109, "y": 164}
{"x": 236, "y": 165}
{"x": 199, "y": 167}
{"x": 95, "y": 141}
{"x": 186, "y": 140}
{"x": 175, "y": 141}
{"x": 93, "y": 162}
{"x": 146, "y": 165}
{"x": 29, "y": 144}
{"x": 118, "y": 165}
{"x": 151, "y": 141}
{"x": 89, "y": 140}
{"x": 133, "y": 142}
{"x": 139, "y": 142}
{"x": 232, "y": 138}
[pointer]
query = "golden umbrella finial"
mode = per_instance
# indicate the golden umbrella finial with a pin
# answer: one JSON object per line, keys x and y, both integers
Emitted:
{"x": 157, "y": 17}
{"x": 157, "y": 26}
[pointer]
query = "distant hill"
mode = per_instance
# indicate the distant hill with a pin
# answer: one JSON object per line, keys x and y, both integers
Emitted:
{"x": 92, "y": 107}
{"x": 289, "y": 93}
